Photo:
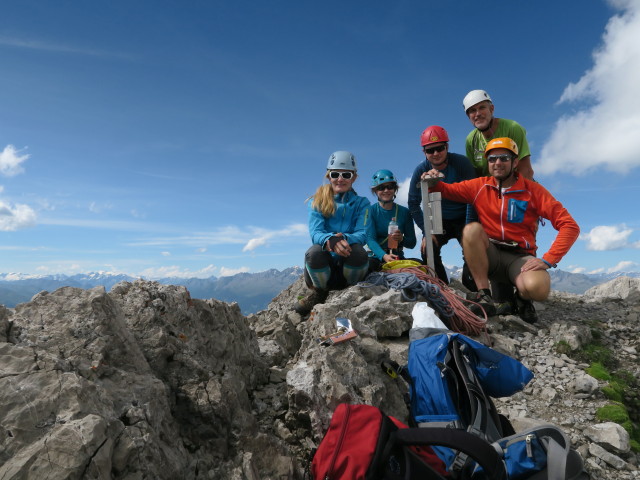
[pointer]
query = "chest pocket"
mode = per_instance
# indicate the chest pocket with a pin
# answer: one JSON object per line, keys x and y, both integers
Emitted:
{"x": 517, "y": 209}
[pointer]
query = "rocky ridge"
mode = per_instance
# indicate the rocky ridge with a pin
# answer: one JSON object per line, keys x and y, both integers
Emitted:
{"x": 146, "y": 382}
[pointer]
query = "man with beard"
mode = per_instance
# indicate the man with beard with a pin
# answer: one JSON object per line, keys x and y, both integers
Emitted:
{"x": 502, "y": 245}
{"x": 479, "y": 108}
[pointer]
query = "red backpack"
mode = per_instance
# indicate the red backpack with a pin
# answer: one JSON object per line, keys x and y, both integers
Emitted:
{"x": 356, "y": 447}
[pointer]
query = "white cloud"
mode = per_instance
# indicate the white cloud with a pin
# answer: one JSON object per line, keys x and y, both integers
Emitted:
{"x": 574, "y": 269}
{"x": 297, "y": 229}
{"x": 98, "y": 208}
{"x": 47, "y": 45}
{"x": 11, "y": 161}
{"x": 609, "y": 237}
{"x": 177, "y": 271}
{"x": 403, "y": 192}
{"x": 624, "y": 266}
{"x": 165, "y": 254}
{"x": 16, "y": 217}
{"x": 597, "y": 270}
{"x": 201, "y": 250}
{"x": 603, "y": 132}
{"x": 227, "y": 272}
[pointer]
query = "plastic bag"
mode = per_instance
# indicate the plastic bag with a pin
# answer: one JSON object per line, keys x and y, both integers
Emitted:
{"x": 425, "y": 317}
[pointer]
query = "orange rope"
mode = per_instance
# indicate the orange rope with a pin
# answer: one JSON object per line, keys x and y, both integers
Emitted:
{"x": 463, "y": 320}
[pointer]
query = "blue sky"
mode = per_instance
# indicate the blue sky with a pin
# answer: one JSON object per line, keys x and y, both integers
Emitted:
{"x": 162, "y": 138}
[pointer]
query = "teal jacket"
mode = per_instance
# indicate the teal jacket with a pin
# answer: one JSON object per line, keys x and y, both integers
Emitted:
{"x": 351, "y": 219}
{"x": 379, "y": 225}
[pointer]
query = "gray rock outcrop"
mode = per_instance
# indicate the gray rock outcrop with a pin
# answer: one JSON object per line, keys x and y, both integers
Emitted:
{"x": 145, "y": 382}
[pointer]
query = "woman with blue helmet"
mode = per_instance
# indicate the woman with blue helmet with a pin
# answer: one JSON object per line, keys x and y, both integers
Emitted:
{"x": 385, "y": 186}
{"x": 338, "y": 219}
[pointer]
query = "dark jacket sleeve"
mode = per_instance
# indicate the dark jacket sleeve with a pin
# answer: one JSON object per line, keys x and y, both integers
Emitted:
{"x": 415, "y": 196}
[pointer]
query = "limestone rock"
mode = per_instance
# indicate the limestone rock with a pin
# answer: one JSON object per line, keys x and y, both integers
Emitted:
{"x": 610, "y": 436}
{"x": 145, "y": 382}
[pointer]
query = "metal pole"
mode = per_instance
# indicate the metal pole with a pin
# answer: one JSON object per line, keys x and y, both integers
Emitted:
{"x": 426, "y": 213}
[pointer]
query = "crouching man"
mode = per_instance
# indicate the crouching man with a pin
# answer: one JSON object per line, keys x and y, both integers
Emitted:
{"x": 502, "y": 245}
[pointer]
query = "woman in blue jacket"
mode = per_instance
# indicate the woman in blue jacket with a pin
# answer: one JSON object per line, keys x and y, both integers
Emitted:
{"x": 385, "y": 186}
{"x": 338, "y": 220}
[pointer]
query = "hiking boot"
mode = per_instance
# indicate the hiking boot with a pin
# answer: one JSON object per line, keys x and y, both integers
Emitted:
{"x": 304, "y": 305}
{"x": 505, "y": 308}
{"x": 485, "y": 302}
{"x": 526, "y": 310}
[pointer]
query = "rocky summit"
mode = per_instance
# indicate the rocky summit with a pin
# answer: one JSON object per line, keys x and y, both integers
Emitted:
{"x": 145, "y": 382}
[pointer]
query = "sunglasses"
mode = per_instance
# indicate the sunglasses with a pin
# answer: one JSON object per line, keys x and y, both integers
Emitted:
{"x": 387, "y": 186}
{"x": 346, "y": 175}
{"x": 433, "y": 149}
{"x": 503, "y": 158}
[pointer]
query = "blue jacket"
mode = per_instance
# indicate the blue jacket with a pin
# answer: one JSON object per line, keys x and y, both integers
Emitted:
{"x": 351, "y": 219}
{"x": 459, "y": 168}
{"x": 379, "y": 228}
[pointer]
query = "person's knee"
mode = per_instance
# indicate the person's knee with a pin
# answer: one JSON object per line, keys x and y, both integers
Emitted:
{"x": 534, "y": 285}
{"x": 315, "y": 257}
{"x": 473, "y": 235}
{"x": 358, "y": 256}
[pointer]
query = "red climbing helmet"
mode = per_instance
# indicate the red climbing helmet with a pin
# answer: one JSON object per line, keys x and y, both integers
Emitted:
{"x": 433, "y": 134}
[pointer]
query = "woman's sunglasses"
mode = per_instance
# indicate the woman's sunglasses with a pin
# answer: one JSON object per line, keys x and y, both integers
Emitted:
{"x": 387, "y": 186}
{"x": 345, "y": 175}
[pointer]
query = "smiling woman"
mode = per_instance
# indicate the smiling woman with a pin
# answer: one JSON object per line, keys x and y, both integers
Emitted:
{"x": 338, "y": 220}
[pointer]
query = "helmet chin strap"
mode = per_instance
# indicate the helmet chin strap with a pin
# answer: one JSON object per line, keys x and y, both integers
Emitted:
{"x": 387, "y": 201}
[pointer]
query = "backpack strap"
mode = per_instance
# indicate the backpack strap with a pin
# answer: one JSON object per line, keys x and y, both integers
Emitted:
{"x": 472, "y": 445}
{"x": 558, "y": 447}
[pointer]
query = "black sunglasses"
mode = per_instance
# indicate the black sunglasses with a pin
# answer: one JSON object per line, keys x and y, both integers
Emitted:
{"x": 503, "y": 158}
{"x": 387, "y": 186}
{"x": 433, "y": 149}
{"x": 346, "y": 175}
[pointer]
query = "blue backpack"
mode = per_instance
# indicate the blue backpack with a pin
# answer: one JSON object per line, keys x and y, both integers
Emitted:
{"x": 452, "y": 381}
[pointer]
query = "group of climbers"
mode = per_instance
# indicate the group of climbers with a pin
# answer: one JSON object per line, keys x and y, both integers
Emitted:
{"x": 491, "y": 206}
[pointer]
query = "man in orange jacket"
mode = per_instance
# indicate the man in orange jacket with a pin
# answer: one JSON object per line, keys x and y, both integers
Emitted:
{"x": 502, "y": 245}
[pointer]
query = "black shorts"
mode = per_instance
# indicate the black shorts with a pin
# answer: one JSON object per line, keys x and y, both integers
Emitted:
{"x": 505, "y": 263}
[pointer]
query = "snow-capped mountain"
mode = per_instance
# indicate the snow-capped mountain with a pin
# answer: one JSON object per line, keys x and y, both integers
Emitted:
{"x": 252, "y": 291}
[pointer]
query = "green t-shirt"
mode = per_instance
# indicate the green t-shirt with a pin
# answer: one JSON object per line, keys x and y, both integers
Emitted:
{"x": 476, "y": 143}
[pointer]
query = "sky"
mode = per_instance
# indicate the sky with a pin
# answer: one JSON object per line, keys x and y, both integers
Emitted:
{"x": 182, "y": 138}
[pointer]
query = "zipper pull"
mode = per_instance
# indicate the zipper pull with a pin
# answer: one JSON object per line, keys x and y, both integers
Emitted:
{"x": 527, "y": 440}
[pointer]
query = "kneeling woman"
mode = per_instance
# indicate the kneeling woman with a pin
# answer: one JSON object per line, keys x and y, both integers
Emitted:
{"x": 338, "y": 220}
{"x": 386, "y": 246}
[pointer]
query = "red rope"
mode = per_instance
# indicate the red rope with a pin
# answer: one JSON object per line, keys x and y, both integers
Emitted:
{"x": 464, "y": 320}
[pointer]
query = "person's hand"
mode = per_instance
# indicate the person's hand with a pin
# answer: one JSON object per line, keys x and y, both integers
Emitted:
{"x": 433, "y": 173}
{"x": 389, "y": 257}
{"x": 534, "y": 264}
{"x": 432, "y": 177}
{"x": 341, "y": 247}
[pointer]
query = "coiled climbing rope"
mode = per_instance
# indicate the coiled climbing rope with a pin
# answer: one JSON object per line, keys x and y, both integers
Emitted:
{"x": 415, "y": 280}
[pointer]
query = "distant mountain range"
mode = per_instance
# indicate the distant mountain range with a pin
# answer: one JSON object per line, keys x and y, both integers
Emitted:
{"x": 252, "y": 291}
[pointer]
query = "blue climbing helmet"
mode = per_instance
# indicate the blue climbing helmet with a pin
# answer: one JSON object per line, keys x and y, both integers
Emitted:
{"x": 382, "y": 176}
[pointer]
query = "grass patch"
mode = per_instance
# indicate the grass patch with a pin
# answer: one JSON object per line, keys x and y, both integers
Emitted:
{"x": 595, "y": 353}
{"x": 598, "y": 370}
{"x": 563, "y": 347}
{"x": 613, "y": 412}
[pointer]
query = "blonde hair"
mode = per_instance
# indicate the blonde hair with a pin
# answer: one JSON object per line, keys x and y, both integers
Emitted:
{"x": 323, "y": 200}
